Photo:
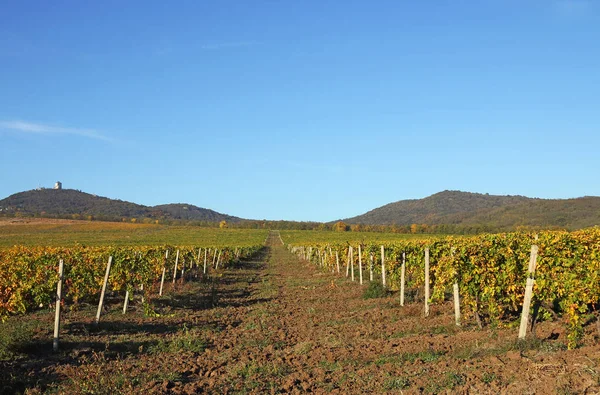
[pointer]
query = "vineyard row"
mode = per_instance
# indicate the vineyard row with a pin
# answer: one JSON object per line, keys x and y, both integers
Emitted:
{"x": 491, "y": 272}
{"x": 30, "y": 274}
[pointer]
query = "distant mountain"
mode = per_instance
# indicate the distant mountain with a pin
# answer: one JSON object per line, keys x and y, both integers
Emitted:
{"x": 491, "y": 211}
{"x": 189, "y": 212}
{"x": 69, "y": 202}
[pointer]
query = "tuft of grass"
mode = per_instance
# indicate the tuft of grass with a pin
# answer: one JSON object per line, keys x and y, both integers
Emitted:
{"x": 330, "y": 366}
{"x": 454, "y": 379}
{"x": 488, "y": 377}
{"x": 185, "y": 340}
{"x": 375, "y": 290}
{"x": 303, "y": 348}
{"x": 396, "y": 383}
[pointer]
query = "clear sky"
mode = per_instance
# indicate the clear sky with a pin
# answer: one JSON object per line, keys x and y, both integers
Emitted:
{"x": 300, "y": 110}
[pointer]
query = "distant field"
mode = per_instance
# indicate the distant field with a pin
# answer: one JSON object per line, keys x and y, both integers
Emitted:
{"x": 313, "y": 236}
{"x": 67, "y": 233}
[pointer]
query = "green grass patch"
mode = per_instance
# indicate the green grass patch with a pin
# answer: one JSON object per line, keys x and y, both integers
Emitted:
{"x": 375, "y": 290}
{"x": 15, "y": 335}
{"x": 396, "y": 383}
{"x": 184, "y": 340}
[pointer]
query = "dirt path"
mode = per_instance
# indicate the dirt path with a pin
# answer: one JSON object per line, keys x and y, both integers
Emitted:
{"x": 277, "y": 325}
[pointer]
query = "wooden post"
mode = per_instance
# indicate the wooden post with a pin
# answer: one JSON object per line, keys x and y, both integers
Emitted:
{"x": 214, "y": 258}
{"x": 205, "y": 256}
{"x": 402, "y": 278}
{"x": 126, "y": 302}
{"x": 456, "y": 305}
{"x": 348, "y": 262}
{"x": 352, "y": 262}
{"x": 371, "y": 266}
{"x": 337, "y": 261}
{"x": 383, "y": 266}
{"x": 218, "y": 259}
{"x": 198, "y": 262}
{"x": 142, "y": 291}
{"x": 360, "y": 277}
{"x": 101, "y": 303}
{"x": 182, "y": 268}
{"x": 162, "y": 279}
{"x": 528, "y": 292}
{"x": 456, "y": 295}
{"x": 427, "y": 282}
{"x": 58, "y": 301}
{"x": 175, "y": 271}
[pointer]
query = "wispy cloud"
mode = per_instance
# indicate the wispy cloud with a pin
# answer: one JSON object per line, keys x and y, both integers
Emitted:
{"x": 226, "y": 45}
{"x": 36, "y": 128}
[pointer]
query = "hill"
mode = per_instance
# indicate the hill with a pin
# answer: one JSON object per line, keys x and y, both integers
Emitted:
{"x": 70, "y": 202}
{"x": 488, "y": 211}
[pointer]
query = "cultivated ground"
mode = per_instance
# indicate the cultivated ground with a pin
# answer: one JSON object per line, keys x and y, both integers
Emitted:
{"x": 277, "y": 325}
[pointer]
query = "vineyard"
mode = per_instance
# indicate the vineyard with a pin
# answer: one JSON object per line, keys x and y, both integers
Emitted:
{"x": 259, "y": 312}
{"x": 490, "y": 271}
{"x": 31, "y": 273}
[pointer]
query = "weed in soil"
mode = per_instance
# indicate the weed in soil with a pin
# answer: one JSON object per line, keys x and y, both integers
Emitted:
{"x": 185, "y": 340}
{"x": 375, "y": 290}
{"x": 396, "y": 383}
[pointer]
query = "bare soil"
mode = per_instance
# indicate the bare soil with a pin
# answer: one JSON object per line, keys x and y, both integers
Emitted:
{"x": 274, "y": 324}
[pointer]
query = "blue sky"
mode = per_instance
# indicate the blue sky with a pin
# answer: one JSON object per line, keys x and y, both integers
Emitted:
{"x": 300, "y": 110}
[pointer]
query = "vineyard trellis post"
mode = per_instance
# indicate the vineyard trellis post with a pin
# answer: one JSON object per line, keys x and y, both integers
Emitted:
{"x": 218, "y": 258}
{"x": 427, "y": 282}
{"x": 205, "y": 256}
{"x": 456, "y": 294}
{"x": 456, "y": 304}
{"x": 528, "y": 292}
{"x": 58, "y": 301}
{"x": 104, "y": 284}
{"x": 126, "y": 301}
{"x": 182, "y": 268}
{"x": 162, "y": 279}
{"x": 198, "y": 262}
{"x": 337, "y": 261}
{"x": 175, "y": 271}
{"x": 352, "y": 262}
{"x": 360, "y": 271}
{"x": 371, "y": 258}
{"x": 402, "y": 278}
{"x": 383, "y": 266}
{"x": 348, "y": 262}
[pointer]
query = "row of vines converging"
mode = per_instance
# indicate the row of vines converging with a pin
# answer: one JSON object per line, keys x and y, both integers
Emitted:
{"x": 491, "y": 271}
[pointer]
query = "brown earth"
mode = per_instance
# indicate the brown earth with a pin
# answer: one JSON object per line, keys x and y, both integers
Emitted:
{"x": 278, "y": 325}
